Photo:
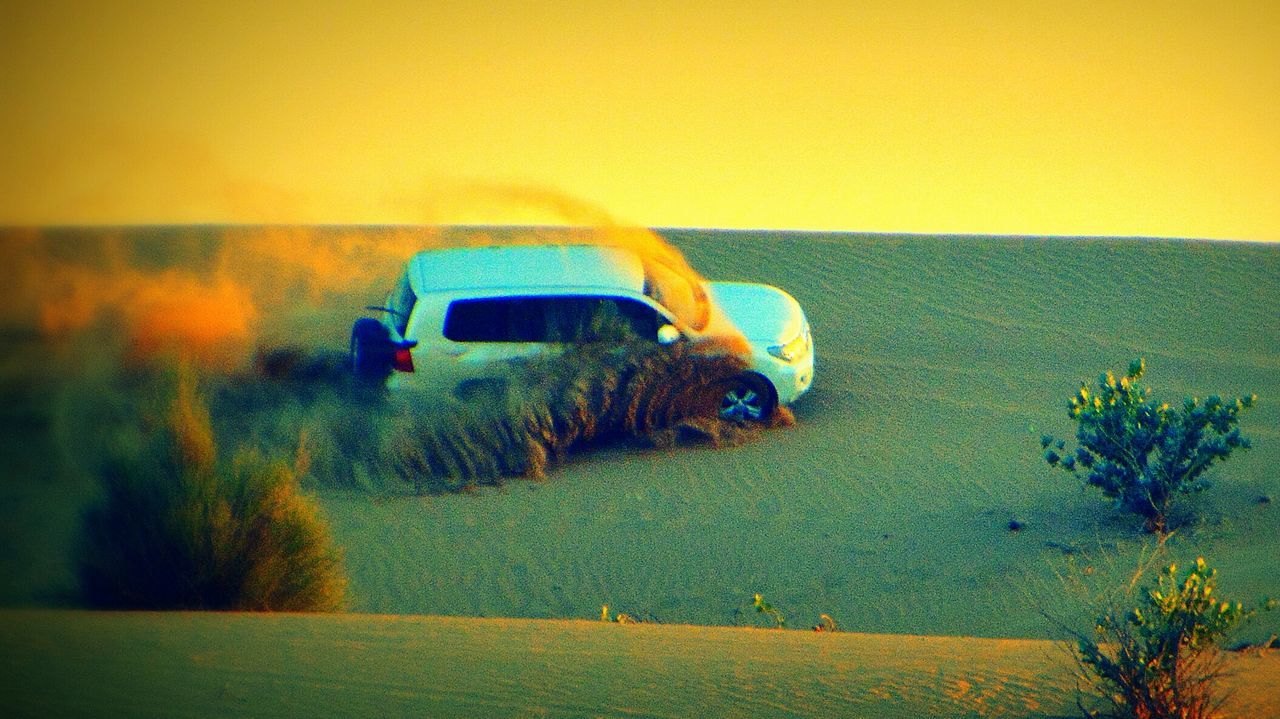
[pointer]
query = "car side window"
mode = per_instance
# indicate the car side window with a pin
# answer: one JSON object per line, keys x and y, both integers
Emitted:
{"x": 486, "y": 320}
{"x": 550, "y": 319}
{"x": 640, "y": 319}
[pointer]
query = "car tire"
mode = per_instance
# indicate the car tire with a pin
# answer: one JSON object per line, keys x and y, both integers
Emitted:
{"x": 747, "y": 397}
{"x": 370, "y": 350}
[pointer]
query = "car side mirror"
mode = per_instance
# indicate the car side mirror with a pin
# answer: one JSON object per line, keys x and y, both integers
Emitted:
{"x": 667, "y": 334}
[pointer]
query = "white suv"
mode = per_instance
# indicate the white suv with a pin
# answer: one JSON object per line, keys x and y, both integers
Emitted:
{"x": 454, "y": 314}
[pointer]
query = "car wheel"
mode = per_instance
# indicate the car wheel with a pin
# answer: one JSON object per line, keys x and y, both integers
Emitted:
{"x": 747, "y": 398}
{"x": 370, "y": 350}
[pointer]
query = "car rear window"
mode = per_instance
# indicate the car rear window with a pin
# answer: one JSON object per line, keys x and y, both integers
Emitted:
{"x": 550, "y": 319}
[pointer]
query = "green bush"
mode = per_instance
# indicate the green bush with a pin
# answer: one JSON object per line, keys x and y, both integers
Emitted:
{"x": 1161, "y": 658}
{"x": 177, "y": 529}
{"x": 1143, "y": 454}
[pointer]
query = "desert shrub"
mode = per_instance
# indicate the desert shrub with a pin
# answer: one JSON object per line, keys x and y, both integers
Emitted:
{"x": 1162, "y": 658}
{"x": 540, "y": 410}
{"x": 177, "y": 529}
{"x": 289, "y": 391}
{"x": 1143, "y": 454}
{"x": 530, "y": 415}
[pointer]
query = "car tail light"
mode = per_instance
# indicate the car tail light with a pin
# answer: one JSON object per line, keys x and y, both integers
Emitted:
{"x": 402, "y": 360}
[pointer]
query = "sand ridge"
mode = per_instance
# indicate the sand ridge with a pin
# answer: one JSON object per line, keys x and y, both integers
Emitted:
{"x": 202, "y": 664}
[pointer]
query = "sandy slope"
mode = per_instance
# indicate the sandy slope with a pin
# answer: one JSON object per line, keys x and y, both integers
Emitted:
{"x": 941, "y": 362}
{"x": 176, "y": 665}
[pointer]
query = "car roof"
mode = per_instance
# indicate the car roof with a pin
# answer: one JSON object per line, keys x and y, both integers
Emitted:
{"x": 531, "y": 267}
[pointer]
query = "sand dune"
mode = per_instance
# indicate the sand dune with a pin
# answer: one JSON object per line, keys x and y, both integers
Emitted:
{"x": 200, "y": 665}
{"x": 941, "y": 361}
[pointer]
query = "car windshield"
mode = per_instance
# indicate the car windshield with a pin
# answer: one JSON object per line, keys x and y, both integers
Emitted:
{"x": 679, "y": 292}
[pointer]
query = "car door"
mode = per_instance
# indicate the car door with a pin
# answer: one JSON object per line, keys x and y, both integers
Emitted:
{"x": 483, "y": 336}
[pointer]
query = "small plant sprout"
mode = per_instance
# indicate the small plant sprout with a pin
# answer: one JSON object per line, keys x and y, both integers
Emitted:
{"x": 605, "y": 616}
{"x": 1142, "y": 453}
{"x": 763, "y": 607}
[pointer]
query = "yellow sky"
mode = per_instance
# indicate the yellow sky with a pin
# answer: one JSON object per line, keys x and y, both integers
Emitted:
{"x": 1159, "y": 118}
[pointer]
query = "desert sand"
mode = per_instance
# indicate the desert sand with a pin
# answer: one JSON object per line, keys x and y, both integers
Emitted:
{"x": 200, "y": 665}
{"x": 941, "y": 361}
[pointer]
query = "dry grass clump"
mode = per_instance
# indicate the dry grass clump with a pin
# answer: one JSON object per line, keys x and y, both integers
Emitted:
{"x": 517, "y": 423}
{"x": 536, "y": 412}
{"x": 177, "y": 529}
{"x": 292, "y": 391}
{"x": 362, "y": 437}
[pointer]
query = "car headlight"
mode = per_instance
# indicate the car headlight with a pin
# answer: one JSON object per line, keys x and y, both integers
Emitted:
{"x": 794, "y": 349}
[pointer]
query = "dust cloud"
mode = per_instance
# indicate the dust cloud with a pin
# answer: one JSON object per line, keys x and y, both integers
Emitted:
{"x": 262, "y": 315}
